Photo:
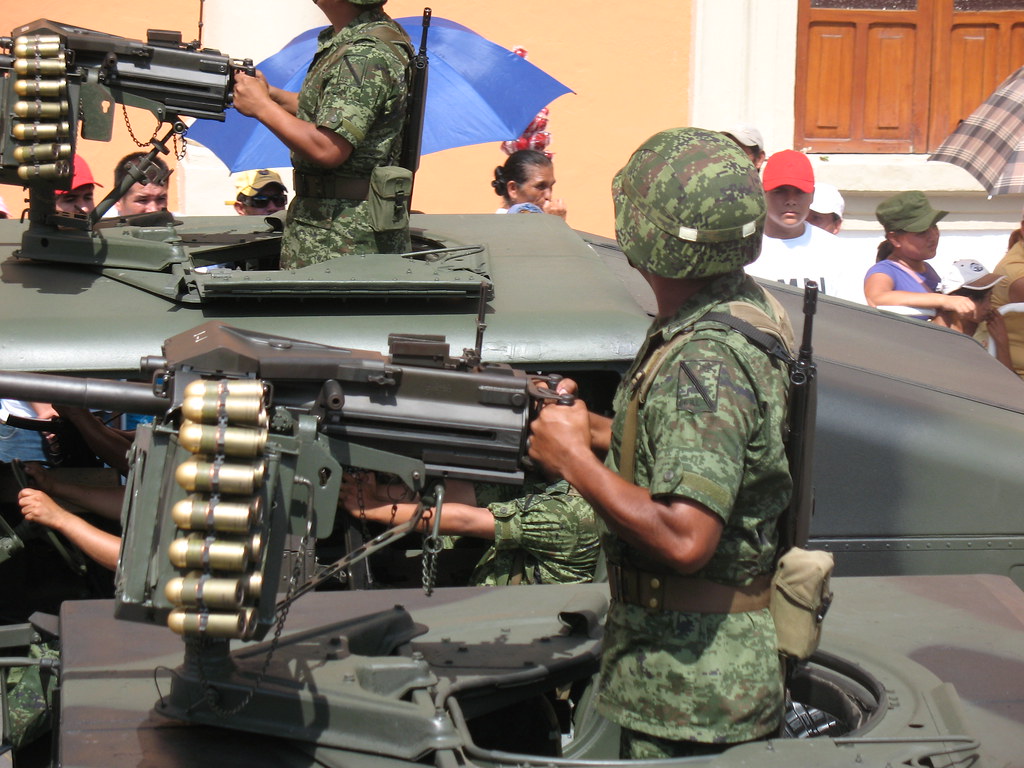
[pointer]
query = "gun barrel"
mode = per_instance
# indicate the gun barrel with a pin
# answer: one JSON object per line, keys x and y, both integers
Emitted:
{"x": 81, "y": 392}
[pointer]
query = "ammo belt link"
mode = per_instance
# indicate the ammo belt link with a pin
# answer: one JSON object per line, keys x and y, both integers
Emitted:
{"x": 686, "y": 594}
{"x": 329, "y": 187}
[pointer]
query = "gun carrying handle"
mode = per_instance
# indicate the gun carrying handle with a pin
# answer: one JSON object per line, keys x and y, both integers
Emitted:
{"x": 544, "y": 389}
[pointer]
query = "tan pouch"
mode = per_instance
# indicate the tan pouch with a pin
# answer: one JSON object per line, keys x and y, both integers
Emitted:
{"x": 388, "y": 198}
{"x": 801, "y": 595}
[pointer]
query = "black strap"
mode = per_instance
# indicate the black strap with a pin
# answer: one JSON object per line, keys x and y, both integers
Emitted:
{"x": 766, "y": 341}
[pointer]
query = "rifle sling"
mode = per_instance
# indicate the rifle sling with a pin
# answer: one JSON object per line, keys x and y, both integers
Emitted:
{"x": 772, "y": 337}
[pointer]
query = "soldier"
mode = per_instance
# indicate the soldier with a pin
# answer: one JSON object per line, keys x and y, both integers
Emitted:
{"x": 696, "y": 475}
{"x": 346, "y": 121}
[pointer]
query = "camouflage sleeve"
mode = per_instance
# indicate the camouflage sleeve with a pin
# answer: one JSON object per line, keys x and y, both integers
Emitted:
{"x": 550, "y": 525}
{"x": 356, "y": 90}
{"x": 699, "y": 417}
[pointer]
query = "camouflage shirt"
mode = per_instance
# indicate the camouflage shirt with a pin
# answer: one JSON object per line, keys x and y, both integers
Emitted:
{"x": 356, "y": 86}
{"x": 704, "y": 677}
{"x": 547, "y": 535}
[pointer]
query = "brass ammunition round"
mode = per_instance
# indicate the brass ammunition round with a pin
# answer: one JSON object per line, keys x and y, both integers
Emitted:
{"x": 41, "y": 88}
{"x": 40, "y": 110}
{"x": 215, "y": 439}
{"x": 185, "y": 621}
{"x": 254, "y": 585}
{"x": 249, "y": 617}
{"x": 256, "y": 546}
{"x": 213, "y": 477}
{"x": 209, "y": 409}
{"x": 197, "y": 589}
{"x": 234, "y": 387}
{"x": 197, "y": 514}
{"x": 53, "y": 67}
{"x": 40, "y": 131}
{"x": 197, "y": 552}
{"x": 41, "y": 153}
{"x": 29, "y": 46}
{"x": 59, "y": 169}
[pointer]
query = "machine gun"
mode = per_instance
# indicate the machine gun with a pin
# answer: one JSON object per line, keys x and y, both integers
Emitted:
{"x": 56, "y": 77}
{"x": 253, "y": 436}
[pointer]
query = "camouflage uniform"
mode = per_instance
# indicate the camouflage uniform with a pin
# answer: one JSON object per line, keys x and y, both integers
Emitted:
{"x": 546, "y": 536}
{"x": 716, "y": 676}
{"x": 690, "y": 205}
{"x": 30, "y": 697}
{"x": 361, "y": 96}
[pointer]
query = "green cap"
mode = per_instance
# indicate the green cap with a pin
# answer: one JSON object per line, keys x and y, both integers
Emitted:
{"x": 907, "y": 212}
{"x": 689, "y": 204}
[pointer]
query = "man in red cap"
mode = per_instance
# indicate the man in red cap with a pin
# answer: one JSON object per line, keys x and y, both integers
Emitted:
{"x": 793, "y": 251}
{"x": 78, "y": 199}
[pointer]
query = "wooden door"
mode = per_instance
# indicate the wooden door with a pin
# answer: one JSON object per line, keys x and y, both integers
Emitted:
{"x": 897, "y": 75}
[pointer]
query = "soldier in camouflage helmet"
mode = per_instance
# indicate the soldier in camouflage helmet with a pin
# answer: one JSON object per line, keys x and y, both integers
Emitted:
{"x": 695, "y": 476}
{"x": 346, "y": 121}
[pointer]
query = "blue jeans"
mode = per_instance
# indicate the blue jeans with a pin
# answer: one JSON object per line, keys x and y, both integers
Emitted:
{"x": 21, "y": 444}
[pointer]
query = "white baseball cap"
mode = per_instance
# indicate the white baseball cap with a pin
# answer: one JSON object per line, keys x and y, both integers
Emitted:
{"x": 827, "y": 199}
{"x": 747, "y": 135}
{"x": 968, "y": 273}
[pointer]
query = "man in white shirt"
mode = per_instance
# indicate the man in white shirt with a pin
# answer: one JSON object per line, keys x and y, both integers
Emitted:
{"x": 793, "y": 251}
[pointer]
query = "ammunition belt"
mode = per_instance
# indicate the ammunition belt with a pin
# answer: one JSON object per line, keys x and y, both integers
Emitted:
{"x": 687, "y": 594}
{"x": 329, "y": 187}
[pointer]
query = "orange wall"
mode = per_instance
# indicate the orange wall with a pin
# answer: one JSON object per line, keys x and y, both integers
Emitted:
{"x": 629, "y": 66}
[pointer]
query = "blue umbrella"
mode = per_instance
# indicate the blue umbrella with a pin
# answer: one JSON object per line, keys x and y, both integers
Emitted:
{"x": 477, "y": 92}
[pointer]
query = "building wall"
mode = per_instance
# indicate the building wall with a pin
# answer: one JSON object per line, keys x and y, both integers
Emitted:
{"x": 630, "y": 68}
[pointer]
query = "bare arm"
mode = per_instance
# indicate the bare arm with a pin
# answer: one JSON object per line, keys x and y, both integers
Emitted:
{"x": 457, "y": 518}
{"x": 996, "y": 326}
{"x": 277, "y": 110}
{"x": 99, "y": 545}
{"x": 104, "y": 500}
{"x": 679, "y": 532}
{"x": 108, "y": 443}
{"x": 878, "y": 290}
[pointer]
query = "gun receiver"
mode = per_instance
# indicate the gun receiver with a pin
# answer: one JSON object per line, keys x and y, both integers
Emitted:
{"x": 56, "y": 77}
{"x": 254, "y": 435}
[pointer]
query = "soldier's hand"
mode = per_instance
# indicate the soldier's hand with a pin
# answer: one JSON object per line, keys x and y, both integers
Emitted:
{"x": 40, "y": 508}
{"x": 559, "y": 432}
{"x": 250, "y": 93}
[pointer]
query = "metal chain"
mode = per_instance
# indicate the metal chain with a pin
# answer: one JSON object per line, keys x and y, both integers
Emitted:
{"x": 127, "y": 122}
{"x": 432, "y": 545}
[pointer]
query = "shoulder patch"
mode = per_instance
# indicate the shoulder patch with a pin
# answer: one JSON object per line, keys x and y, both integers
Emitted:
{"x": 698, "y": 386}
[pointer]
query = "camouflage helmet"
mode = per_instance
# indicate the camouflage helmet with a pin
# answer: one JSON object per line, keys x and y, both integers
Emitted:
{"x": 367, "y": 2}
{"x": 689, "y": 204}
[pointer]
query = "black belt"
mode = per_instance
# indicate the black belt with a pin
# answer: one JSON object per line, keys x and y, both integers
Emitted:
{"x": 329, "y": 187}
{"x": 686, "y": 594}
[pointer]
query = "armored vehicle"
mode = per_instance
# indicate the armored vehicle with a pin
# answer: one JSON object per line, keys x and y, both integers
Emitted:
{"x": 267, "y": 384}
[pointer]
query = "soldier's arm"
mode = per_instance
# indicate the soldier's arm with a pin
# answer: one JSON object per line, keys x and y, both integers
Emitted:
{"x": 679, "y": 532}
{"x": 316, "y": 143}
{"x": 99, "y": 545}
{"x": 104, "y": 500}
{"x": 361, "y": 498}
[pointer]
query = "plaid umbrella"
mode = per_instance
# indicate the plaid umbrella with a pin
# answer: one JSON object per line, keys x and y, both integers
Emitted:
{"x": 989, "y": 143}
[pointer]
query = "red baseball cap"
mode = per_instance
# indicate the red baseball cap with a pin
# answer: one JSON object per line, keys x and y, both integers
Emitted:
{"x": 81, "y": 177}
{"x": 789, "y": 168}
